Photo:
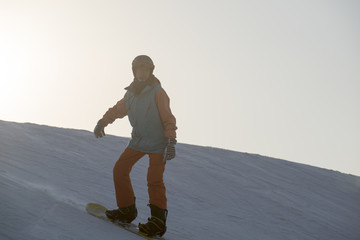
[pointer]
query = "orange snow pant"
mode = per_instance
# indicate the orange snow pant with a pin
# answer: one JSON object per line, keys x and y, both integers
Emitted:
{"x": 123, "y": 189}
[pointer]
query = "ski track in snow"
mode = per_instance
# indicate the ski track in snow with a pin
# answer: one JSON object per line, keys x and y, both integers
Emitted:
{"x": 47, "y": 175}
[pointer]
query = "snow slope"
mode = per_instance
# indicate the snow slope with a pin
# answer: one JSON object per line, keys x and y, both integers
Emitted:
{"x": 48, "y": 174}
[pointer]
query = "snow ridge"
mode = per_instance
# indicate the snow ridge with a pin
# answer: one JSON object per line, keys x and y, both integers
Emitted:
{"x": 48, "y": 174}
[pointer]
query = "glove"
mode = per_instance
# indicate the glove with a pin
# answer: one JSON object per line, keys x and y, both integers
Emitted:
{"x": 169, "y": 152}
{"x": 99, "y": 129}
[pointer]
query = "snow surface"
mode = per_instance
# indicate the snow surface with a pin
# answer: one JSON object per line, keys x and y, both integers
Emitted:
{"x": 47, "y": 175}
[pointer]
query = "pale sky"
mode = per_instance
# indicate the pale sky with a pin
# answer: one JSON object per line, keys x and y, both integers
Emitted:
{"x": 276, "y": 78}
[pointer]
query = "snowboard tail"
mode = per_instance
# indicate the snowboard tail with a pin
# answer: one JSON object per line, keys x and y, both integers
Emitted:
{"x": 99, "y": 210}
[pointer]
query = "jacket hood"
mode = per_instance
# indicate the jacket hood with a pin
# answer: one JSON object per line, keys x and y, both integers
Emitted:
{"x": 136, "y": 86}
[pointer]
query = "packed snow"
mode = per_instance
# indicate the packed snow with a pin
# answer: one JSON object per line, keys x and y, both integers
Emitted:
{"x": 48, "y": 174}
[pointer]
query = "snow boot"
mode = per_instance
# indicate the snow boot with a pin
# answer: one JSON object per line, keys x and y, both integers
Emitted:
{"x": 156, "y": 225}
{"x": 124, "y": 215}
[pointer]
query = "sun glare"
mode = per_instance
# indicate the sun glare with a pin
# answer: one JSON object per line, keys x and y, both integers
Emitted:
{"x": 14, "y": 66}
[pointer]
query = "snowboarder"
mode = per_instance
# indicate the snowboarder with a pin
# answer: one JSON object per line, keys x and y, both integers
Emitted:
{"x": 154, "y": 133}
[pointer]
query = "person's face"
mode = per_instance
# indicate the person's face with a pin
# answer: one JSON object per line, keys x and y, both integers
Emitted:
{"x": 142, "y": 72}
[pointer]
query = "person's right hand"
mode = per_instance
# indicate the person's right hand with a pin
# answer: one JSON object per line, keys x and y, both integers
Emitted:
{"x": 99, "y": 129}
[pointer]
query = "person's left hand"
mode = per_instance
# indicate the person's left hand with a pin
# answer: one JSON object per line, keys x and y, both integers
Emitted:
{"x": 170, "y": 152}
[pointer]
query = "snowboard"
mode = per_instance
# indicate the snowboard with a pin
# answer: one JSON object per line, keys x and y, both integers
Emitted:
{"x": 98, "y": 211}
